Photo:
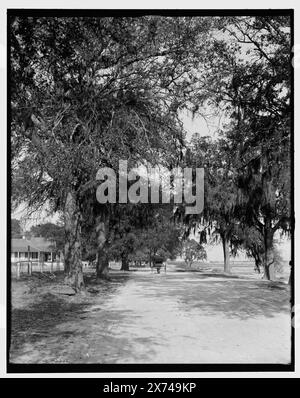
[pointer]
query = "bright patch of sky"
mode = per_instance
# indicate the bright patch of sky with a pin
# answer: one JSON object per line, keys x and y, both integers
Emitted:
{"x": 29, "y": 219}
{"x": 208, "y": 125}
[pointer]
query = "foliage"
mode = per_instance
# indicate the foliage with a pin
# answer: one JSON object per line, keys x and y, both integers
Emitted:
{"x": 141, "y": 234}
{"x": 50, "y": 231}
{"x": 252, "y": 86}
{"x": 218, "y": 221}
{"x": 193, "y": 251}
{"x": 16, "y": 230}
{"x": 87, "y": 92}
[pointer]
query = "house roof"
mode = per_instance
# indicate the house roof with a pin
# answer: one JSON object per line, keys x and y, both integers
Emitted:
{"x": 35, "y": 245}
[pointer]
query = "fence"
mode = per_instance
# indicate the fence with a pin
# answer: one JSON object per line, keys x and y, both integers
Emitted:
{"x": 22, "y": 267}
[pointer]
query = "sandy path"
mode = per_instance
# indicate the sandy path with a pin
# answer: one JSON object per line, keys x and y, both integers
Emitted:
{"x": 173, "y": 318}
{"x": 176, "y": 332}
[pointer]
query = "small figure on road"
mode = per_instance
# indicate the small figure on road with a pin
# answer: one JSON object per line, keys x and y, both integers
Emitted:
{"x": 158, "y": 261}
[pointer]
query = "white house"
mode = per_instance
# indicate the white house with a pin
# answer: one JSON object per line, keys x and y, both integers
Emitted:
{"x": 34, "y": 249}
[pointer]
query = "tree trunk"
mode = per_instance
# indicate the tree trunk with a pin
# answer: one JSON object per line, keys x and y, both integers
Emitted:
{"x": 268, "y": 259}
{"x": 102, "y": 257}
{"x": 125, "y": 263}
{"x": 269, "y": 269}
{"x": 72, "y": 255}
{"x": 257, "y": 264}
{"x": 102, "y": 264}
{"x": 150, "y": 258}
{"x": 225, "y": 244}
{"x": 255, "y": 253}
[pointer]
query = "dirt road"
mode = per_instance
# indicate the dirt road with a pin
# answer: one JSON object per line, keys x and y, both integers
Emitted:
{"x": 143, "y": 317}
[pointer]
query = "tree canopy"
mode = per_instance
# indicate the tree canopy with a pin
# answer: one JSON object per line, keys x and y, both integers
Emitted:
{"x": 88, "y": 92}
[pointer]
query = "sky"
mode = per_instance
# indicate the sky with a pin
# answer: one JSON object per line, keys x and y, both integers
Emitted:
{"x": 199, "y": 125}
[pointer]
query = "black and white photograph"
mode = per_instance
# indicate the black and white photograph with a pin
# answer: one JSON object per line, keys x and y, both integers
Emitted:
{"x": 150, "y": 189}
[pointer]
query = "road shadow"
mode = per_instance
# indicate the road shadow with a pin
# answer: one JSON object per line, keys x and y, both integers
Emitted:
{"x": 225, "y": 295}
{"x": 41, "y": 316}
{"x": 56, "y": 331}
{"x": 239, "y": 299}
{"x": 35, "y": 322}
